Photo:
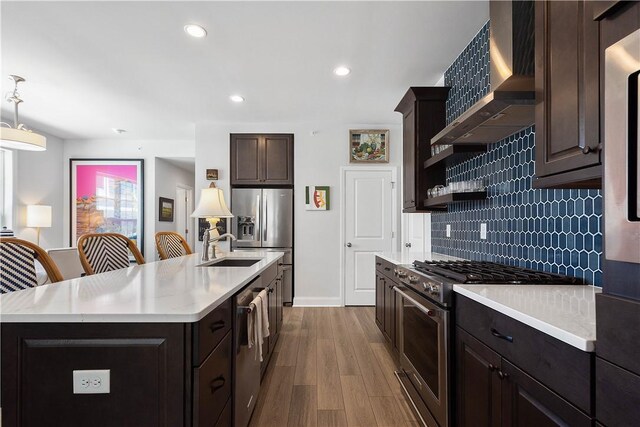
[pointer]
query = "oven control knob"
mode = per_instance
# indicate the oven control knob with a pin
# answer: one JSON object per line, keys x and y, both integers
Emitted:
{"x": 434, "y": 289}
{"x": 402, "y": 274}
{"x": 413, "y": 279}
{"x": 425, "y": 286}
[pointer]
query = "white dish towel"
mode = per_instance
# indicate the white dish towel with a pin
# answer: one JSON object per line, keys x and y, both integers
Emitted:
{"x": 258, "y": 323}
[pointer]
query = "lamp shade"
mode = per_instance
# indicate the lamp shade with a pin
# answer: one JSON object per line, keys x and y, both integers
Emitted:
{"x": 38, "y": 216}
{"x": 212, "y": 205}
{"x": 19, "y": 139}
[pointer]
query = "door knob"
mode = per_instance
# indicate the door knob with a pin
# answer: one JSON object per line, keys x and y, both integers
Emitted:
{"x": 349, "y": 244}
{"x": 407, "y": 245}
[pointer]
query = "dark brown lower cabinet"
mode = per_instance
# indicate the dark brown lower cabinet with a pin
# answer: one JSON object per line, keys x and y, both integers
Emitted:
{"x": 212, "y": 384}
{"x": 617, "y": 402}
{"x": 386, "y": 311}
{"x": 380, "y": 301}
{"x": 147, "y": 374}
{"x": 274, "y": 302}
{"x": 528, "y": 403}
{"x": 479, "y": 388}
{"x": 390, "y": 317}
{"x": 493, "y": 392}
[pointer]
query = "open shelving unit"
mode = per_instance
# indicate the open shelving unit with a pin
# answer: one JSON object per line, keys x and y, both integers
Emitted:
{"x": 455, "y": 154}
{"x": 435, "y": 167}
{"x": 441, "y": 202}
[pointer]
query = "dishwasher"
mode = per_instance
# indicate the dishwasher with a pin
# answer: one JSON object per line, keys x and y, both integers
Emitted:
{"x": 247, "y": 368}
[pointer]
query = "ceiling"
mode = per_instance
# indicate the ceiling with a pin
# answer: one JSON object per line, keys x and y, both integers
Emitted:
{"x": 94, "y": 66}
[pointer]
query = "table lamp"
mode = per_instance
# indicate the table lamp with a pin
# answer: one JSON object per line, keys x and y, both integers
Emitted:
{"x": 38, "y": 216}
{"x": 212, "y": 207}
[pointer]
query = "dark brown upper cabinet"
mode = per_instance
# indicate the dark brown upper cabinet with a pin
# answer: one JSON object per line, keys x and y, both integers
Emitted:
{"x": 261, "y": 159}
{"x": 568, "y": 133}
{"x": 423, "y": 115}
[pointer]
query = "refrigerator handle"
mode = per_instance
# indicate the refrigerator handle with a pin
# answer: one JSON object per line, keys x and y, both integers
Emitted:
{"x": 266, "y": 210}
{"x": 258, "y": 215}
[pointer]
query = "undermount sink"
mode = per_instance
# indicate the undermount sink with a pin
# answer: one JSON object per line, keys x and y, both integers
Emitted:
{"x": 232, "y": 262}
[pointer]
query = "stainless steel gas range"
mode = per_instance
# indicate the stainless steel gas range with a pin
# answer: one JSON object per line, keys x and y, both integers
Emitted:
{"x": 426, "y": 305}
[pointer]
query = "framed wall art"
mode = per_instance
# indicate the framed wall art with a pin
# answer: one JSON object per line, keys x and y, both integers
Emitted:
{"x": 318, "y": 198}
{"x": 165, "y": 209}
{"x": 369, "y": 146}
{"x": 107, "y": 196}
{"x": 221, "y": 225}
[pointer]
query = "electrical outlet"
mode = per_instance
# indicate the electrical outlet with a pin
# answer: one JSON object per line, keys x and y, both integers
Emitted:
{"x": 483, "y": 231}
{"x": 92, "y": 382}
{"x": 448, "y": 230}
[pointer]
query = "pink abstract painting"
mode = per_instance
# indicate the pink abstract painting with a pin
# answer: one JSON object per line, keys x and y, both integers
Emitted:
{"x": 106, "y": 198}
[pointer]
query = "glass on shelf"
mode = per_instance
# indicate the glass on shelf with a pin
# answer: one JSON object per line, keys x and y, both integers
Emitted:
{"x": 438, "y": 148}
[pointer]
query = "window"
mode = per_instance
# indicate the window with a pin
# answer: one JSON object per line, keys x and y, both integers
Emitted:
{"x": 6, "y": 188}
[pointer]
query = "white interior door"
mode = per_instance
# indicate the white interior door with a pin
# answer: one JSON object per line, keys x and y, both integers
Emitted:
{"x": 368, "y": 226}
{"x": 183, "y": 209}
{"x": 416, "y": 232}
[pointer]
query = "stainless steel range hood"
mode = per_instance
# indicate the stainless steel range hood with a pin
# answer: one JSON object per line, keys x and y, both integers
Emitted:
{"x": 509, "y": 107}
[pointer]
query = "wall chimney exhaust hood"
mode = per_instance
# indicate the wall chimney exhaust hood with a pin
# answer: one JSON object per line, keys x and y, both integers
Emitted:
{"x": 509, "y": 107}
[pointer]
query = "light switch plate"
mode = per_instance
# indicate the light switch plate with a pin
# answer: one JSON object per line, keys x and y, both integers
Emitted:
{"x": 92, "y": 382}
{"x": 483, "y": 231}
{"x": 448, "y": 230}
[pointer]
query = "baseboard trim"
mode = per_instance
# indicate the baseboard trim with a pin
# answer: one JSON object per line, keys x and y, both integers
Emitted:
{"x": 317, "y": 302}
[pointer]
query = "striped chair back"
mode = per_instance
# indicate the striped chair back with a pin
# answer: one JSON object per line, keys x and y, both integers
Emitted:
{"x": 18, "y": 260}
{"x": 171, "y": 245}
{"x": 102, "y": 252}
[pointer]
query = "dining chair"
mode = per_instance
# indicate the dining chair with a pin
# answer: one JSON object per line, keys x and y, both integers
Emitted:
{"x": 102, "y": 252}
{"x": 18, "y": 259}
{"x": 68, "y": 262}
{"x": 171, "y": 245}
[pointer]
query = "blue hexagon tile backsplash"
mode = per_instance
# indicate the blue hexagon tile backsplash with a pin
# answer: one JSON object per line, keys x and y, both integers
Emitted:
{"x": 558, "y": 231}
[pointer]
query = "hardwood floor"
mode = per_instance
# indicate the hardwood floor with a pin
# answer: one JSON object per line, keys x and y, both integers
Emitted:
{"x": 331, "y": 367}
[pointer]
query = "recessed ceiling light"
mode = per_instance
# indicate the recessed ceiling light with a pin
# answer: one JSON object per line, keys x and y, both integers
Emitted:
{"x": 341, "y": 71}
{"x": 195, "y": 30}
{"x": 236, "y": 98}
{"x": 119, "y": 131}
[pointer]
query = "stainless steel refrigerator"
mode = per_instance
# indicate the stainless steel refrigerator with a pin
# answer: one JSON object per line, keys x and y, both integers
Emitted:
{"x": 263, "y": 219}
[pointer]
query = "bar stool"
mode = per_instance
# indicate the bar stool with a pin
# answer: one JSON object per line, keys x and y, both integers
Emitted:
{"x": 102, "y": 252}
{"x": 171, "y": 245}
{"x": 18, "y": 259}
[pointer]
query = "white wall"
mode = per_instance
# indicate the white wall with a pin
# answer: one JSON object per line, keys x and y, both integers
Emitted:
{"x": 168, "y": 177}
{"x": 39, "y": 180}
{"x": 127, "y": 149}
{"x": 317, "y": 161}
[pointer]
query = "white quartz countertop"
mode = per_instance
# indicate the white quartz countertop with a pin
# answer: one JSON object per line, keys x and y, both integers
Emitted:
{"x": 175, "y": 290}
{"x": 565, "y": 312}
{"x": 407, "y": 257}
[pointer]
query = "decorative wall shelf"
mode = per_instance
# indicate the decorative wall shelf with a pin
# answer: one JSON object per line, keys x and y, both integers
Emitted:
{"x": 455, "y": 154}
{"x": 443, "y": 201}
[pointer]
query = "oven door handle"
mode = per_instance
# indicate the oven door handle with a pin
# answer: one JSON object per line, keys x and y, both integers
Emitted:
{"x": 419, "y": 306}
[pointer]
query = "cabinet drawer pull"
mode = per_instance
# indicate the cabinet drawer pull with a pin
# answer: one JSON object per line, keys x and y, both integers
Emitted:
{"x": 217, "y": 383}
{"x": 491, "y": 367}
{"x": 387, "y": 269}
{"x": 216, "y": 326}
{"x": 270, "y": 290}
{"x": 378, "y": 263}
{"x": 502, "y": 375}
{"x": 501, "y": 336}
{"x": 587, "y": 149}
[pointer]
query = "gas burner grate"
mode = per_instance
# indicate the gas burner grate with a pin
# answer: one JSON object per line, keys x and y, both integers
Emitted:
{"x": 491, "y": 272}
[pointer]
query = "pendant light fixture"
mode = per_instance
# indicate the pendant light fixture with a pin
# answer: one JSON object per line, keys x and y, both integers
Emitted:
{"x": 18, "y": 136}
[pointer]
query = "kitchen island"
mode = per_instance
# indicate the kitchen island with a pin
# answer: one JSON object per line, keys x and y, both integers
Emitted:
{"x": 162, "y": 329}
